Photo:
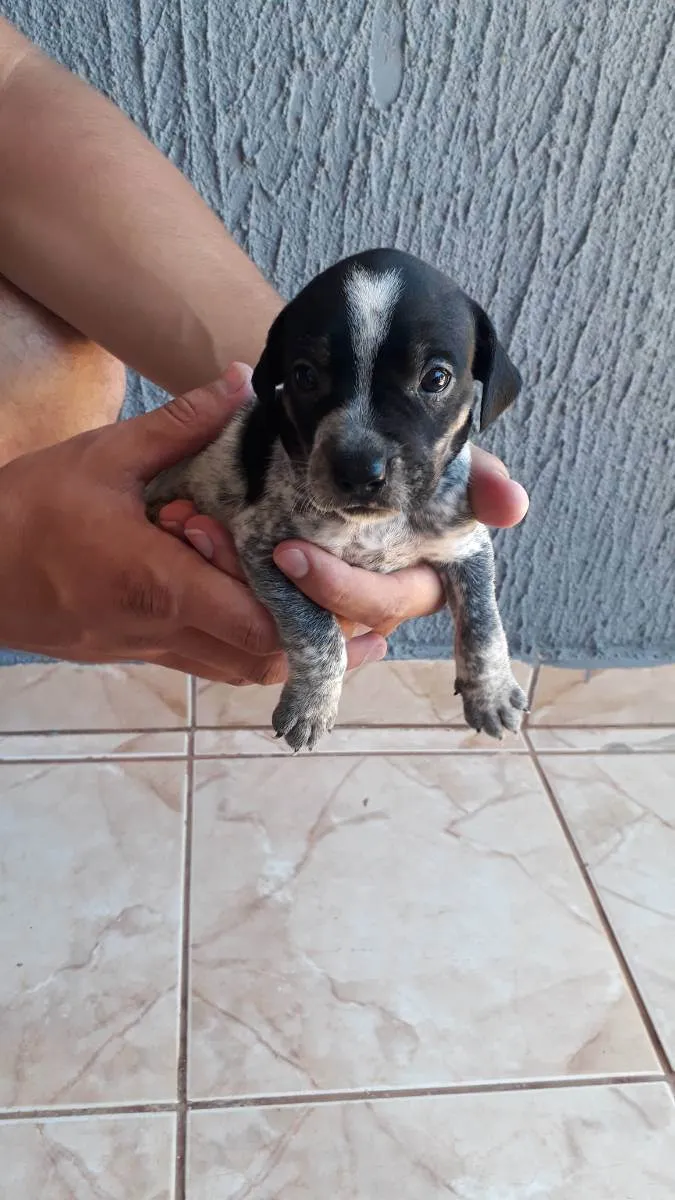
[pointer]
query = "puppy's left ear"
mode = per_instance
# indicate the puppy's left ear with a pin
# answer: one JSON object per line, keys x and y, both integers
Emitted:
{"x": 269, "y": 372}
{"x": 492, "y": 366}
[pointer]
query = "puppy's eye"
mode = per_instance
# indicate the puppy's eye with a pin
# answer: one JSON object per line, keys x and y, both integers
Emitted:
{"x": 436, "y": 379}
{"x": 305, "y": 377}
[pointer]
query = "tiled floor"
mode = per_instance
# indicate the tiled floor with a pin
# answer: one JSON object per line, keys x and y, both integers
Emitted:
{"x": 412, "y": 965}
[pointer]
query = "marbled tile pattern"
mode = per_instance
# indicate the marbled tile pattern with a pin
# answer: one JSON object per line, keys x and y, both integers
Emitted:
{"x": 622, "y": 815}
{"x": 90, "y": 862}
{"x": 105, "y": 1158}
{"x": 587, "y": 698}
{"x": 297, "y": 979}
{"x": 40, "y": 698}
{"x": 416, "y": 955}
{"x": 608, "y": 1143}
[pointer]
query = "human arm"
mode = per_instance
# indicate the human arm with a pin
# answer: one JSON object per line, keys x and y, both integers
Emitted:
{"x": 105, "y": 232}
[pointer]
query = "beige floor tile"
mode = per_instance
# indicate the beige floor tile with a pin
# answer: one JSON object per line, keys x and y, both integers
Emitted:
{"x": 602, "y": 741}
{"x": 393, "y": 921}
{"x": 621, "y": 811}
{"x": 64, "y": 696}
{"x": 614, "y": 1143}
{"x": 90, "y": 864}
{"x": 95, "y": 1158}
{"x": 91, "y": 745}
{"x": 263, "y": 743}
{"x": 643, "y": 696}
{"x": 388, "y": 693}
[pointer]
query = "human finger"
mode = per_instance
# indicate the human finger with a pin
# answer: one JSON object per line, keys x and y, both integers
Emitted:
{"x": 380, "y": 602}
{"x": 495, "y": 498}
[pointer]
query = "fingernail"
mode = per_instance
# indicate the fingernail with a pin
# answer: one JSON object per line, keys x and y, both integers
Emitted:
{"x": 486, "y": 461}
{"x": 524, "y": 498}
{"x": 499, "y": 468}
{"x": 377, "y": 653}
{"x": 293, "y": 563}
{"x": 171, "y": 526}
{"x": 235, "y": 378}
{"x": 200, "y": 541}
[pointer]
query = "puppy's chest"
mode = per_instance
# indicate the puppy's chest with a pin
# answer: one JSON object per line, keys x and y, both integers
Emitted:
{"x": 387, "y": 545}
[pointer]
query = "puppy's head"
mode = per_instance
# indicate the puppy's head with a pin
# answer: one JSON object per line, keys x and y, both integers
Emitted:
{"x": 374, "y": 365}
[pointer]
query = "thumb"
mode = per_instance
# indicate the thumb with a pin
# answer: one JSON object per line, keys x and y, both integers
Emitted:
{"x": 148, "y": 444}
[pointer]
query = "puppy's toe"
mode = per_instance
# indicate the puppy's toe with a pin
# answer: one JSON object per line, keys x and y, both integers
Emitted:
{"x": 478, "y": 714}
{"x": 491, "y": 724}
{"x": 518, "y": 698}
{"x": 510, "y": 717}
{"x": 299, "y": 736}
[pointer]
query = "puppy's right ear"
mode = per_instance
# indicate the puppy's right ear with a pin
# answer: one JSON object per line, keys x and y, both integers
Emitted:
{"x": 269, "y": 372}
{"x": 493, "y": 368}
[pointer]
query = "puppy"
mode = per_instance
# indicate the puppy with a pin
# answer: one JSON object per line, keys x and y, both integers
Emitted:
{"x": 358, "y": 441}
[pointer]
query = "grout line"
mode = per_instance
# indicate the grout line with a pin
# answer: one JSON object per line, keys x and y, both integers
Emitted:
{"x": 335, "y": 755}
{"x": 615, "y": 752}
{"x": 180, "y": 1168}
{"x": 450, "y": 752}
{"x": 54, "y": 760}
{"x": 129, "y": 731}
{"x": 411, "y": 726}
{"x": 357, "y": 726}
{"x": 456, "y": 752}
{"x": 358, "y": 1095}
{"x": 519, "y": 749}
{"x": 534, "y": 680}
{"x": 621, "y": 727}
{"x": 631, "y": 982}
{"x": 91, "y": 1110}
{"x": 344, "y": 1096}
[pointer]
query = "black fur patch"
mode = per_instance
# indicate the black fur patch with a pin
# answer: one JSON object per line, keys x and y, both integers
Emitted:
{"x": 261, "y": 430}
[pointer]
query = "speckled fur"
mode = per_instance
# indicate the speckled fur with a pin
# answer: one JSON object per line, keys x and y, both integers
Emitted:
{"x": 427, "y": 516}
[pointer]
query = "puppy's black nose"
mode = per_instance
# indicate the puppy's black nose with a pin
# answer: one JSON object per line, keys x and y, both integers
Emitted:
{"x": 359, "y": 471}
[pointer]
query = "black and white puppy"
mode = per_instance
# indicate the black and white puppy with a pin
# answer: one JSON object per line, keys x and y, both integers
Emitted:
{"x": 357, "y": 441}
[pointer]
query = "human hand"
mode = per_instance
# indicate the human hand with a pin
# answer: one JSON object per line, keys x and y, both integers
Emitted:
{"x": 86, "y": 577}
{"x": 362, "y": 600}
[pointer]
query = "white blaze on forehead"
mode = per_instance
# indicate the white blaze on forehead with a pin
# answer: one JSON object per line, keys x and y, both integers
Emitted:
{"x": 371, "y": 299}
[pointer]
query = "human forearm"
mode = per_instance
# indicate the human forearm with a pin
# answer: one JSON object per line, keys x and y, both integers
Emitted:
{"x": 100, "y": 228}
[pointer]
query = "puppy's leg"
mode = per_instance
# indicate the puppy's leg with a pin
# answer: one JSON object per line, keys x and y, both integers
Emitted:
{"x": 493, "y": 701}
{"x": 314, "y": 645}
{"x": 174, "y": 483}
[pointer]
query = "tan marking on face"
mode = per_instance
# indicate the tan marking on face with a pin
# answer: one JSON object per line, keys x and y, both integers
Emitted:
{"x": 446, "y": 441}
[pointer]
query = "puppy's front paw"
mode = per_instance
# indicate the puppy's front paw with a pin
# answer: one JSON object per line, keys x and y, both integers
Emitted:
{"x": 303, "y": 715}
{"x": 493, "y": 704}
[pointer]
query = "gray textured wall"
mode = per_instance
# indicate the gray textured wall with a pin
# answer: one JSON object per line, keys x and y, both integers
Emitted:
{"x": 521, "y": 145}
